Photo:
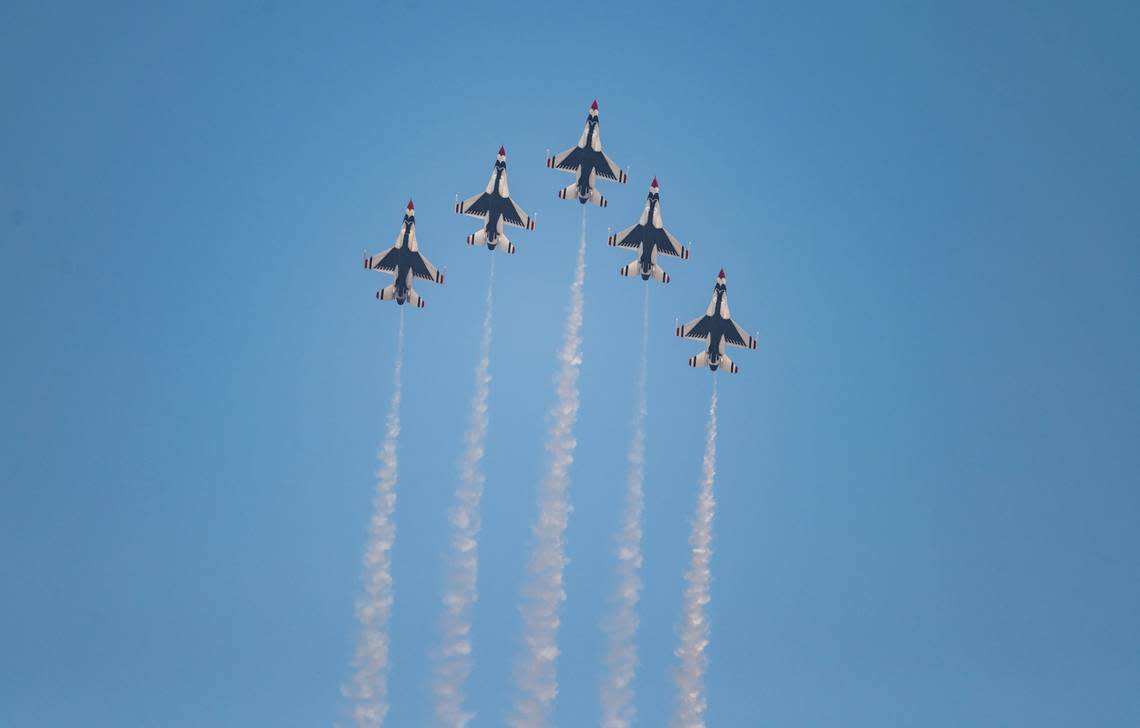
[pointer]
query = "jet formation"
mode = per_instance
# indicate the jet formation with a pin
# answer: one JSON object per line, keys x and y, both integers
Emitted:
{"x": 647, "y": 236}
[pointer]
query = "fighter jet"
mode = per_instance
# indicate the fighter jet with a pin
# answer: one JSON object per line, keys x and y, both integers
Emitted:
{"x": 649, "y": 238}
{"x": 405, "y": 261}
{"x": 718, "y": 329}
{"x": 588, "y": 161}
{"x": 496, "y": 207}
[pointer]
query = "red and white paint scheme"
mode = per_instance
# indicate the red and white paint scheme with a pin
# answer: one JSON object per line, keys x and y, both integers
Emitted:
{"x": 404, "y": 261}
{"x": 649, "y": 238}
{"x": 717, "y": 329}
{"x": 588, "y": 162}
{"x": 496, "y": 208}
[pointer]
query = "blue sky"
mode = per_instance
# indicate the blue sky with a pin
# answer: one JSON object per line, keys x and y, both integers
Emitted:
{"x": 928, "y": 472}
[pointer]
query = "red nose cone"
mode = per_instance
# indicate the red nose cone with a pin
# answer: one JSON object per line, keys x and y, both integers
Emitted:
{"x": 594, "y": 106}
{"x": 411, "y": 206}
{"x": 721, "y": 276}
{"x": 502, "y": 152}
{"x": 653, "y": 183}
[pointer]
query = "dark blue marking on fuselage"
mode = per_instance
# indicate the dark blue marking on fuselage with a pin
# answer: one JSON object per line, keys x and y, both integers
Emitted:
{"x": 590, "y": 160}
{"x": 651, "y": 236}
{"x": 497, "y": 207}
{"x": 584, "y": 183}
{"x": 404, "y": 260}
{"x": 718, "y": 326}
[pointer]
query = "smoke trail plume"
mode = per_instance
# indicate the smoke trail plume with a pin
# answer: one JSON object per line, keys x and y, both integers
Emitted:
{"x": 621, "y": 627}
{"x": 453, "y": 659}
{"x": 536, "y": 681}
{"x": 694, "y": 632}
{"x": 369, "y": 688}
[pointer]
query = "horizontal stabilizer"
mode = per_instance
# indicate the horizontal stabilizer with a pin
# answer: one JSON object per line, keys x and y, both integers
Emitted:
{"x": 479, "y": 238}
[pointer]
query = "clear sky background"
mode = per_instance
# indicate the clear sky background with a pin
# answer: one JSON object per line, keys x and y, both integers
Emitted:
{"x": 929, "y": 479}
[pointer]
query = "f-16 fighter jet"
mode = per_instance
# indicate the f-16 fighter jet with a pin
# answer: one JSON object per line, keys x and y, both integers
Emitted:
{"x": 496, "y": 207}
{"x": 588, "y": 161}
{"x": 718, "y": 329}
{"x": 649, "y": 238}
{"x": 405, "y": 261}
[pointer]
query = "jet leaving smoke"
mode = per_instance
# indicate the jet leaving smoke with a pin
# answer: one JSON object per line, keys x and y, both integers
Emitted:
{"x": 535, "y": 676}
{"x": 621, "y": 627}
{"x": 453, "y": 660}
{"x": 694, "y": 632}
{"x": 369, "y": 689}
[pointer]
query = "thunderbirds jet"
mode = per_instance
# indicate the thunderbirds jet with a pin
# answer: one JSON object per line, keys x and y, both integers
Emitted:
{"x": 588, "y": 161}
{"x": 718, "y": 329}
{"x": 405, "y": 261}
{"x": 649, "y": 238}
{"x": 497, "y": 207}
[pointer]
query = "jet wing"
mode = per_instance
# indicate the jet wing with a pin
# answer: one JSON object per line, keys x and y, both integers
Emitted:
{"x": 568, "y": 161}
{"x": 513, "y": 215}
{"x": 477, "y": 206}
{"x": 609, "y": 170}
{"x": 424, "y": 270}
{"x": 669, "y": 245}
{"x": 385, "y": 261}
{"x": 737, "y": 336}
{"x": 632, "y": 237}
{"x": 698, "y": 328}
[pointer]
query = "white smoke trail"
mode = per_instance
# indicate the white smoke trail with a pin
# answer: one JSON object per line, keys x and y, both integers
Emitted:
{"x": 694, "y": 632}
{"x": 536, "y": 681}
{"x": 453, "y": 659}
{"x": 621, "y": 627}
{"x": 369, "y": 688}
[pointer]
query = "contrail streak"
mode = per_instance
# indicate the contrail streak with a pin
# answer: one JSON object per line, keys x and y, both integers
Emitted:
{"x": 621, "y": 627}
{"x": 536, "y": 681}
{"x": 453, "y": 659}
{"x": 694, "y": 632}
{"x": 369, "y": 688}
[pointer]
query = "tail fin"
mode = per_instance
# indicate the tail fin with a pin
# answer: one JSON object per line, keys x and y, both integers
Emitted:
{"x": 569, "y": 192}
{"x": 415, "y": 299}
{"x": 597, "y": 199}
{"x": 700, "y": 360}
{"x": 387, "y": 294}
{"x": 632, "y": 269}
{"x": 728, "y": 365}
{"x": 659, "y": 274}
